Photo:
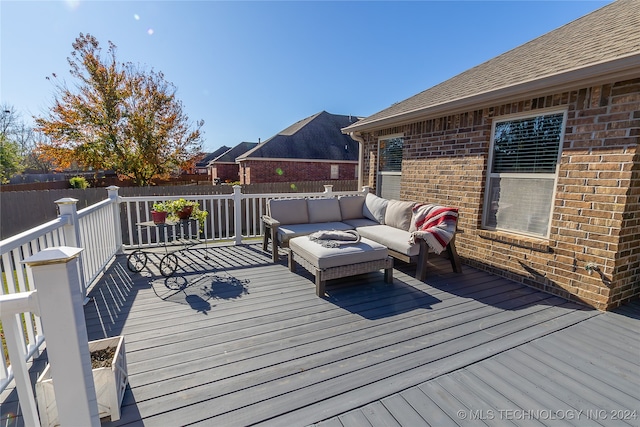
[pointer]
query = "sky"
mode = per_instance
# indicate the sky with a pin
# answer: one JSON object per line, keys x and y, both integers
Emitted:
{"x": 250, "y": 69}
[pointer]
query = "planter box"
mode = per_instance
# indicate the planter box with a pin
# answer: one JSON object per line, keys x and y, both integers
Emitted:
{"x": 110, "y": 384}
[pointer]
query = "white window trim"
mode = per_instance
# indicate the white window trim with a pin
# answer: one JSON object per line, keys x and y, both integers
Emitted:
{"x": 554, "y": 176}
{"x": 378, "y": 171}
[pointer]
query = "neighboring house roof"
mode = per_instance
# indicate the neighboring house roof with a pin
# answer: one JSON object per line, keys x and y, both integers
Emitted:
{"x": 210, "y": 156}
{"x": 230, "y": 155}
{"x": 317, "y": 138}
{"x": 595, "y": 47}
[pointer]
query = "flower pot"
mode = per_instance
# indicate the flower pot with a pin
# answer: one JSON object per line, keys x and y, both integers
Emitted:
{"x": 110, "y": 384}
{"x": 185, "y": 212}
{"x": 159, "y": 217}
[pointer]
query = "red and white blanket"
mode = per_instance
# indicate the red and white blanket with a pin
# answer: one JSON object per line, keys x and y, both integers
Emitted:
{"x": 435, "y": 224}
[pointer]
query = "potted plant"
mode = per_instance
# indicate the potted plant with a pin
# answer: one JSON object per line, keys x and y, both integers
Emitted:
{"x": 160, "y": 212}
{"x": 108, "y": 359}
{"x": 186, "y": 209}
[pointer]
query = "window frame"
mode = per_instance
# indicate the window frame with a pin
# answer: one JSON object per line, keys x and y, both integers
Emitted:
{"x": 379, "y": 172}
{"x": 526, "y": 175}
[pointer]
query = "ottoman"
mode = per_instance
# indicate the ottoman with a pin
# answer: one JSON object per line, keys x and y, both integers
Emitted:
{"x": 342, "y": 261}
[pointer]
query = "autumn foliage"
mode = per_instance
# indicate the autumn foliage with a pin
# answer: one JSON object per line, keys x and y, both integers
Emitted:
{"x": 119, "y": 118}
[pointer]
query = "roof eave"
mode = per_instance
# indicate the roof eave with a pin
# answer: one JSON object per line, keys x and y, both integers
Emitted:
{"x": 619, "y": 69}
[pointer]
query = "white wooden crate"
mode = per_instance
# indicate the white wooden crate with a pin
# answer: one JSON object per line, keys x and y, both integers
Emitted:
{"x": 110, "y": 383}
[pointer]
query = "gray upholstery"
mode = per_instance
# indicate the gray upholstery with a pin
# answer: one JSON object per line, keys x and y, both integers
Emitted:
{"x": 398, "y": 214}
{"x": 321, "y": 257}
{"x": 385, "y": 222}
{"x": 288, "y": 211}
{"x": 289, "y": 231}
{"x": 324, "y": 210}
{"x": 351, "y": 207}
{"x": 393, "y": 238}
{"x": 374, "y": 208}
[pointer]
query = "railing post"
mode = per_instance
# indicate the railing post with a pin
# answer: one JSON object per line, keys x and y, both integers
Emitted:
{"x": 71, "y": 230}
{"x": 55, "y": 276}
{"x": 113, "y": 196}
{"x": 237, "y": 214}
{"x": 12, "y": 326}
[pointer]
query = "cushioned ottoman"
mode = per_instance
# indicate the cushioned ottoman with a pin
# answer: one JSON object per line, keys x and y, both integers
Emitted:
{"x": 342, "y": 261}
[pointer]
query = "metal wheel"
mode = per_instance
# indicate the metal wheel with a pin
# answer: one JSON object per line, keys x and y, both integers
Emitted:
{"x": 136, "y": 261}
{"x": 168, "y": 264}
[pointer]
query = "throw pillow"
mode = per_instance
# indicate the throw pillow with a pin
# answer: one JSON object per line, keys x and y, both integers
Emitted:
{"x": 399, "y": 214}
{"x": 351, "y": 206}
{"x": 374, "y": 208}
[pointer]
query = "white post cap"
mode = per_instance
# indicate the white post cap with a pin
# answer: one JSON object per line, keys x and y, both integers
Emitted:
{"x": 57, "y": 255}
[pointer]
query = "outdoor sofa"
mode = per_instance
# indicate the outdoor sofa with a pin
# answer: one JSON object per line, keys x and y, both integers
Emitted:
{"x": 409, "y": 230}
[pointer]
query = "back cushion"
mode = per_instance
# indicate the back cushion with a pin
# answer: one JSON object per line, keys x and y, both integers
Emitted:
{"x": 324, "y": 210}
{"x": 374, "y": 208}
{"x": 399, "y": 214}
{"x": 288, "y": 211}
{"x": 351, "y": 207}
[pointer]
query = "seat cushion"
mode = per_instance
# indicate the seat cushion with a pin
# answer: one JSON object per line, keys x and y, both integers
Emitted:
{"x": 322, "y": 257}
{"x": 393, "y": 238}
{"x": 360, "y": 222}
{"x": 288, "y": 211}
{"x": 324, "y": 210}
{"x": 287, "y": 232}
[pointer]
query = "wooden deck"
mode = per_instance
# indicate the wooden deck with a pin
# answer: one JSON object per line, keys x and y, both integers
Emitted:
{"x": 247, "y": 342}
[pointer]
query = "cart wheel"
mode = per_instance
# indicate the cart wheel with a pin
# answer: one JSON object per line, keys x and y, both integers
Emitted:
{"x": 168, "y": 264}
{"x": 136, "y": 261}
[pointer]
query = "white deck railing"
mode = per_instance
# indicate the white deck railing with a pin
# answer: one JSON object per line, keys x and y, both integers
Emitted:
{"x": 232, "y": 217}
{"x": 102, "y": 230}
{"x": 93, "y": 229}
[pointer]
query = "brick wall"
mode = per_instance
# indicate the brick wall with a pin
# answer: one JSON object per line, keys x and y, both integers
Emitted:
{"x": 286, "y": 171}
{"x": 227, "y": 172}
{"x": 597, "y": 209}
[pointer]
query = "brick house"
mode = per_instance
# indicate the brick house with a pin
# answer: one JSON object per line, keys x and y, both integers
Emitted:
{"x": 201, "y": 166}
{"x": 538, "y": 148}
{"x": 224, "y": 167}
{"x": 312, "y": 149}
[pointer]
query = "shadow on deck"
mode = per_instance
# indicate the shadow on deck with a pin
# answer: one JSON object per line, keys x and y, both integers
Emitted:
{"x": 233, "y": 339}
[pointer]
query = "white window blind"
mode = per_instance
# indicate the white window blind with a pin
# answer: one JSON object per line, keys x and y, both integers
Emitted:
{"x": 523, "y": 172}
{"x": 390, "y": 167}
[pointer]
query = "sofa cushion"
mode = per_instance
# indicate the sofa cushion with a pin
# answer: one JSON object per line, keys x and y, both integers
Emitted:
{"x": 288, "y": 211}
{"x": 351, "y": 207}
{"x": 374, "y": 208}
{"x": 393, "y": 238}
{"x": 360, "y": 222}
{"x": 287, "y": 232}
{"x": 398, "y": 214}
{"x": 324, "y": 210}
{"x": 322, "y": 257}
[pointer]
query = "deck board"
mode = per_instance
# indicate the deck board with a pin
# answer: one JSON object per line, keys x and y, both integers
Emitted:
{"x": 248, "y": 342}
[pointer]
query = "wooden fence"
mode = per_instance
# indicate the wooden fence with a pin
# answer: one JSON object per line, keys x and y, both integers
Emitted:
{"x": 22, "y": 210}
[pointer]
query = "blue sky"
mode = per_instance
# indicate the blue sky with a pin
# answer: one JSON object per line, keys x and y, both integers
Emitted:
{"x": 250, "y": 69}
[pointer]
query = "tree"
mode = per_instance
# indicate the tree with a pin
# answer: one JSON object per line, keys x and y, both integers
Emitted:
{"x": 9, "y": 159}
{"x": 119, "y": 118}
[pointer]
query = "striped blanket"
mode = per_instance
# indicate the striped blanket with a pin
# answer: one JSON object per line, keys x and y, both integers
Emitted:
{"x": 434, "y": 224}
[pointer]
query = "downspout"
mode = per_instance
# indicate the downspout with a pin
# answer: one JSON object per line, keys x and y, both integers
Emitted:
{"x": 356, "y": 136}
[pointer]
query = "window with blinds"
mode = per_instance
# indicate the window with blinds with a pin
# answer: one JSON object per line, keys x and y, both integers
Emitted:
{"x": 389, "y": 166}
{"x": 525, "y": 153}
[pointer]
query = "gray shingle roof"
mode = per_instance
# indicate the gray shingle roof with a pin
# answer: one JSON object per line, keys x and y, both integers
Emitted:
{"x": 318, "y": 137}
{"x": 608, "y": 34}
{"x": 230, "y": 155}
{"x": 209, "y": 156}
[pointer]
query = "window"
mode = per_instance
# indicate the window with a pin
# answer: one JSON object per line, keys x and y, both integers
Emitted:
{"x": 523, "y": 165}
{"x": 335, "y": 171}
{"x": 390, "y": 166}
